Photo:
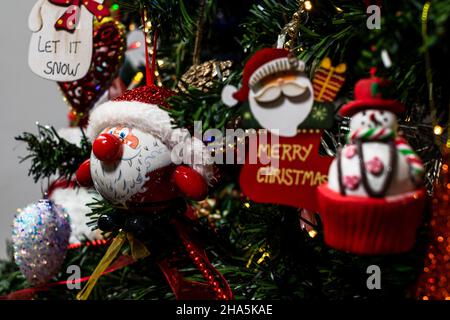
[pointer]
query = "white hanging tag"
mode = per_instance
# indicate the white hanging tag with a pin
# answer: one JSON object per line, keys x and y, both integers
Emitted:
{"x": 60, "y": 55}
{"x": 281, "y": 41}
{"x": 386, "y": 58}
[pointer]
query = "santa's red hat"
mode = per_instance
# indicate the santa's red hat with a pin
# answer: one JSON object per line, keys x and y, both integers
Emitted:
{"x": 369, "y": 95}
{"x": 139, "y": 108}
{"x": 264, "y": 62}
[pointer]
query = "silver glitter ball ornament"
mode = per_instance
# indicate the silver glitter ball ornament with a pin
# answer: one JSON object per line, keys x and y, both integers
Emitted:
{"x": 40, "y": 238}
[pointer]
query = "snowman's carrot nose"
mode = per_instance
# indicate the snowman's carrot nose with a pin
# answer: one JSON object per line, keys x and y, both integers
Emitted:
{"x": 374, "y": 120}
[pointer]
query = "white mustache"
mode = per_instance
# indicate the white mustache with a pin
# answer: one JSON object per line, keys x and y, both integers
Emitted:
{"x": 274, "y": 91}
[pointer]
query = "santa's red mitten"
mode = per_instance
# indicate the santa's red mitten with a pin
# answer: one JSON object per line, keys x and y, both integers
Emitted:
{"x": 191, "y": 183}
{"x": 83, "y": 174}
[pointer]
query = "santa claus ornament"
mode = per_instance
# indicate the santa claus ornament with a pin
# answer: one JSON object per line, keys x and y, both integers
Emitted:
{"x": 281, "y": 98}
{"x": 132, "y": 161}
{"x": 373, "y": 202}
{"x": 141, "y": 161}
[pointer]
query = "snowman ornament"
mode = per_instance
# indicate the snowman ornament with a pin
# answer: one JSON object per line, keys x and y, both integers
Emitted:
{"x": 375, "y": 162}
{"x": 373, "y": 201}
{"x": 132, "y": 161}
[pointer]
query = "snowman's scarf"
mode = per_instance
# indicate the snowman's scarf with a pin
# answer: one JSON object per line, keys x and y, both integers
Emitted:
{"x": 416, "y": 167}
{"x": 371, "y": 134}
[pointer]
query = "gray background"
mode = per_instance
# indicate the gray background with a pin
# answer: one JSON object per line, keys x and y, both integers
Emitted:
{"x": 25, "y": 99}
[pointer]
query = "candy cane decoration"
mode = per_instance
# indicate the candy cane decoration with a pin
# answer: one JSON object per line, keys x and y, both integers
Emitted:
{"x": 365, "y": 134}
{"x": 415, "y": 164}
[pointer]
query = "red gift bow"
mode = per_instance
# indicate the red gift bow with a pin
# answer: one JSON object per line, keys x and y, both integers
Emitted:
{"x": 69, "y": 20}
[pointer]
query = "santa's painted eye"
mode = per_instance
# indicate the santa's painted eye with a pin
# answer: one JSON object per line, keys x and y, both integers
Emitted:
{"x": 111, "y": 131}
{"x": 123, "y": 133}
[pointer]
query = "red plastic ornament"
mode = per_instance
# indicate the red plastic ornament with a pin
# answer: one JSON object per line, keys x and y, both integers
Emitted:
{"x": 107, "y": 147}
{"x": 83, "y": 174}
{"x": 108, "y": 55}
{"x": 190, "y": 183}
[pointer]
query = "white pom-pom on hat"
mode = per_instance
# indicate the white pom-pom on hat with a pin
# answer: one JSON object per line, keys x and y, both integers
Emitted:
{"x": 227, "y": 95}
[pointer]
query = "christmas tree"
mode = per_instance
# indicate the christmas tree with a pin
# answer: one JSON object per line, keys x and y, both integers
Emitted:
{"x": 221, "y": 230}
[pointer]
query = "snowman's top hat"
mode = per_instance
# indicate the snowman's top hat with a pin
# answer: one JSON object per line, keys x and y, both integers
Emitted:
{"x": 369, "y": 95}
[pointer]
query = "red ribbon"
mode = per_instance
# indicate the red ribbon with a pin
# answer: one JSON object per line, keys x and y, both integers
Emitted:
{"x": 69, "y": 20}
{"x": 28, "y": 293}
{"x": 215, "y": 288}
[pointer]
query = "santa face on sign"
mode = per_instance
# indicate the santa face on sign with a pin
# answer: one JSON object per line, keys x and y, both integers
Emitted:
{"x": 282, "y": 101}
{"x": 279, "y": 93}
{"x": 138, "y": 153}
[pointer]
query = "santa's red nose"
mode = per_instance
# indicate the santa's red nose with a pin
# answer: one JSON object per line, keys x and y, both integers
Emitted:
{"x": 107, "y": 147}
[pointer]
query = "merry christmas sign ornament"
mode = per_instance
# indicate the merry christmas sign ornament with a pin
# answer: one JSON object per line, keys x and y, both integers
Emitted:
{"x": 288, "y": 168}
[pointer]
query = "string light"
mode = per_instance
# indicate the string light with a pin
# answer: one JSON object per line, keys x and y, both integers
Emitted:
{"x": 434, "y": 283}
{"x": 263, "y": 257}
{"x": 312, "y": 233}
{"x": 264, "y": 254}
{"x": 308, "y": 5}
{"x": 438, "y": 130}
{"x": 136, "y": 80}
{"x": 138, "y": 77}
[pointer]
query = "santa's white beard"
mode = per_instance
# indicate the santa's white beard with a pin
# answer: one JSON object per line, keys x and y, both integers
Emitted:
{"x": 121, "y": 180}
{"x": 281, "y": 108}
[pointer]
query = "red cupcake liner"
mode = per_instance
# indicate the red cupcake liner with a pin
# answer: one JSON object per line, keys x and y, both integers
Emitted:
{"x": 370, "y": 225}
